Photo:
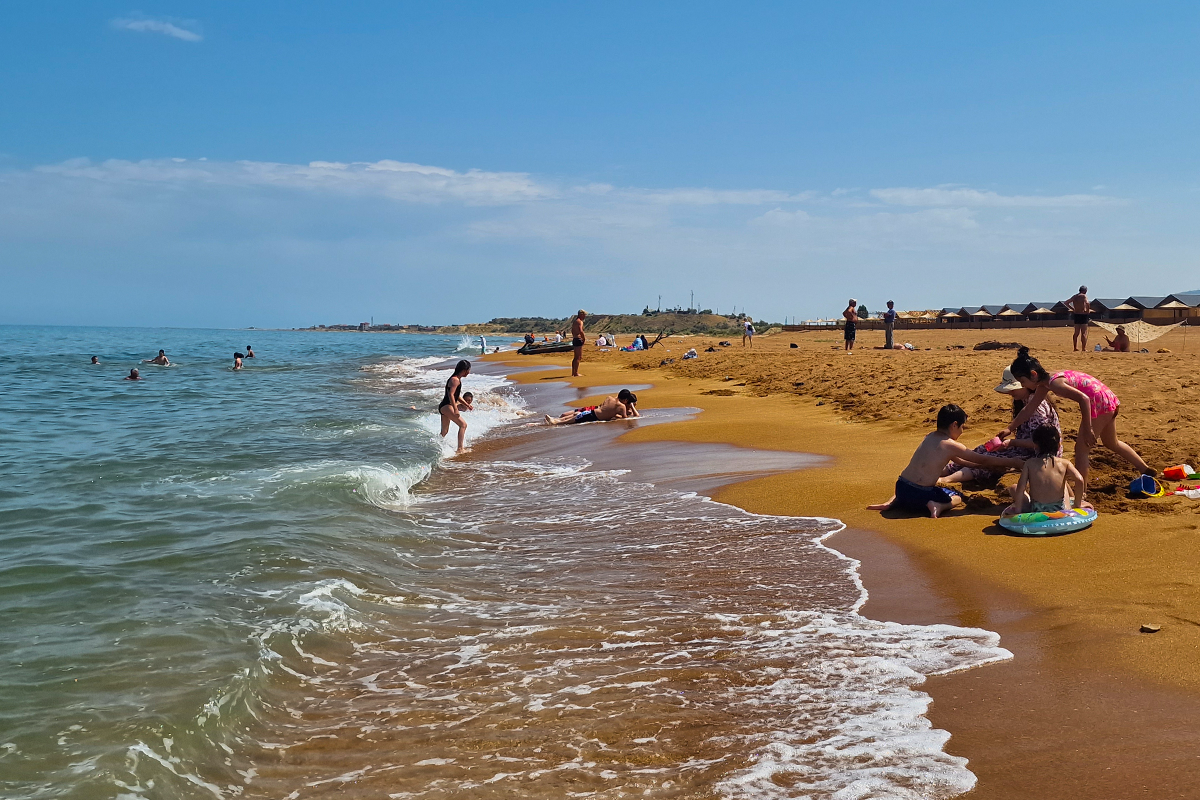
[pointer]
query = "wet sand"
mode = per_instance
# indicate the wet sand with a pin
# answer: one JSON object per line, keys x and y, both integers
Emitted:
{"x": 1089, "y": 706}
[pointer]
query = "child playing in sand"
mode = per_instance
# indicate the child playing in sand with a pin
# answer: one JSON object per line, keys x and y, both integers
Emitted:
{"x": 1098, "y": 408}
{"x": 1043, "y": 483}
{"x": 916, "y": 488}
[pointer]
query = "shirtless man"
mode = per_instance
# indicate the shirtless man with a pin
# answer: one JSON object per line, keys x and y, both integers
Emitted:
{"x": 916, "y": 488}
{"x": 249, "y": 351}
{"x": 133, "y": 375}
{"x": 160, "y": 360}
{"x": 577, "y": 341}
{"x": 621, "y": 406}
{"x": 95, "y": 359}
{"x": 1080, "y": 309}
{"x": 237, "y": 360}
{"x": 850, "y": 332}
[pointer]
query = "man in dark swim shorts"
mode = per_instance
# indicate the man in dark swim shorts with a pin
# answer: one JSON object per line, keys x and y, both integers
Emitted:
{"x": 851, "y": 316}
{"x": 1081, "y": 311}
{"x": 577, "y": 341}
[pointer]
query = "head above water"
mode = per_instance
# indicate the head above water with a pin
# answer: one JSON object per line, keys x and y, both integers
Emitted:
{"x": 951, "y": 419}
{"x": 462, "y": 368}
{"x": 95, "y": 359}
{"x": 1028, "y": 370}
{"x": 1047, "y": 438}
{"x": 133, "y": 373}
{"x": 162, "y": 353}
{"x": 627, "y": 397}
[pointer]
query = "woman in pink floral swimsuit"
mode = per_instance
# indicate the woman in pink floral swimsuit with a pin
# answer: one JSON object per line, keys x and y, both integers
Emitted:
{"x": 1098, "y": 408}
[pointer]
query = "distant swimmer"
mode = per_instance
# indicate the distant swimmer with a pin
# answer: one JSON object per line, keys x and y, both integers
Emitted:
{"x": 623, "y": 405}
{"x": 161, "y": 360}
{"x": 95, "y": 359}
{"x": 452, "y": 402}
{"x": 133, "y": 375}
{"x": 237, "y": 359}
{"x": 249, "y": 352}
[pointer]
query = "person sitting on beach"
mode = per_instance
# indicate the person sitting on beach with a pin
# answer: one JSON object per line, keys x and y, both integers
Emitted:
{"x": 1043, "y": 483}
{"x": 1120, "y": 343}
{"x": 916, "y": 488}
{"x": 95, "y": 359}
{"x": 1098, "y": 408}
{"x": 467, "y": 403}
{"x": 452, "y": 400}
{"x": 160, "y": 360}
{"x": 529, "y": 338}
{"x": 249, "y": 352}
{"x": 558, "y": 337}
{"x": 133, "y": 375}
{"x": 622, "y": 406}
{"x": 851, "y": 317}
{"x": 1020, "y": 446}
{"x": 237, "y": 360}
{"x": 1081, "y": 311}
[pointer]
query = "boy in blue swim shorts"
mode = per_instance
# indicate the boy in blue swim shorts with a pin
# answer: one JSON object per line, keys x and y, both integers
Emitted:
{"x": 916, "y": 488}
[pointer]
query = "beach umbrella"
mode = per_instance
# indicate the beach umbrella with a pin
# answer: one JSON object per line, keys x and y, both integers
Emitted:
{"x": 1174, "y": 305}
{"x": 982, "y": 314}
{"x": 1008, "y": 313}
{"x": 1041, "y": 315}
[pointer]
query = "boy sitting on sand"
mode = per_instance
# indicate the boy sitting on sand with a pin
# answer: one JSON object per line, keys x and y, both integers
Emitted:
{"x": 916, "y": 488}
{"x": 1043, "y": 483}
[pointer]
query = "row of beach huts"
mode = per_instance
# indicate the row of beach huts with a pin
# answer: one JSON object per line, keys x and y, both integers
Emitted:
{"x": 1154, "y": 310}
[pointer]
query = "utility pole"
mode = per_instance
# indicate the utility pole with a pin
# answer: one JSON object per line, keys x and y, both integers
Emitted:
{"x": 660, "y": 302}
{"x": 692, "y": 301}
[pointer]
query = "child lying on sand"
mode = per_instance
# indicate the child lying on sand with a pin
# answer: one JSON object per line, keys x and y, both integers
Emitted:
{"x": 622, "y": 406}
{"x": 1043, "y": 483}
{"x": 916, "y": 488}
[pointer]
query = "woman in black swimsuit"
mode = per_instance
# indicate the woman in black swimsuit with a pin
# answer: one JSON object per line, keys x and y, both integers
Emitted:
{"x": 451, "y": 400}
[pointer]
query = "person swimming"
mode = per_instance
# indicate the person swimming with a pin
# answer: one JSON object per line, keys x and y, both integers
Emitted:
{"x": 160, "y": 359}
{"x": 249, "y": 352}
{"x": 452, "y": 402}
{"x": 95, "y": 359}
{"x": 133, "y": 375}
{"x": 237, "y": 359}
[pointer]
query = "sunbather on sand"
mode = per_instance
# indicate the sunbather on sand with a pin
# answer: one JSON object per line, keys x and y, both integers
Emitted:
{"x": 916, "y": 488}
{"x": 623, "y": 405}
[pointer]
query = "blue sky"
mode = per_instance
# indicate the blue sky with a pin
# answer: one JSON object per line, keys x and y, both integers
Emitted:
{"x": 284, "y": 164}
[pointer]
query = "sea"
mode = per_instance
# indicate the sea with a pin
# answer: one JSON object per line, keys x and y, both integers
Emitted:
{"x": 279, "y": 583}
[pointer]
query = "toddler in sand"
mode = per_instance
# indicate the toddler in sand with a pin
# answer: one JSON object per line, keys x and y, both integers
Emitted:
{"x": 916, "y": 488}
{"x": 1043, "y": 483}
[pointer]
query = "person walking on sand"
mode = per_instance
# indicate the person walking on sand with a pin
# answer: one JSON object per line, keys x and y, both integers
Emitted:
{"x": 577, "y": 341}
{"x": 1080, "y": 314}
{"x": 1098, "y": 408}
{"x": 452, "y": 403}
{"x": 851, "y": 316}
{"x": 889, "y": 326}
{"x": 748, "y": 333}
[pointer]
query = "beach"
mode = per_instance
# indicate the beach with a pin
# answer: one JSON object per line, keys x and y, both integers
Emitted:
{"x": 1099, "y": 705}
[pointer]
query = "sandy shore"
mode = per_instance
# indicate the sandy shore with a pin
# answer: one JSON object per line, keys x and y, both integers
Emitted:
{"x": 1089, "y": 706}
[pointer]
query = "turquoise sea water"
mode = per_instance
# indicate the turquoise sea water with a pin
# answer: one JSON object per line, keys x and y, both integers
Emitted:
{"x": 272, "y": 583}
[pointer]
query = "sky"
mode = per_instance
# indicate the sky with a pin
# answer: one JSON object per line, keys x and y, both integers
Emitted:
{"x": 276, "y": 164}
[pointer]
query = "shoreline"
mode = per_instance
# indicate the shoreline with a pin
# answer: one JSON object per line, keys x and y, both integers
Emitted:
{"x": 1081, "y": 694}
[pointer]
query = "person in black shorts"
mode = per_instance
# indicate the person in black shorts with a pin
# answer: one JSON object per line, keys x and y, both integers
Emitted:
{"x": 851, "y": 316}
{"x": 577, "y": 341}
{"x": 1081, "y": 310}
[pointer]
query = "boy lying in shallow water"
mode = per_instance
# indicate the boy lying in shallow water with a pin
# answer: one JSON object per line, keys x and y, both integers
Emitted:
{"x": 916, "y": 488}
{"x": 623, "y": 405}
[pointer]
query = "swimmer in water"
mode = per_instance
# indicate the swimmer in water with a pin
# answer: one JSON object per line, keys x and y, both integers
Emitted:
{"x": 237, "y": 360}
{"x": 249, "y": 352}
{"x": 451, "y": 402}
{"x": 133, "y": 375}
{"x": 160, "y": 359}
{"x": 95, "y": 359}
{"x": 467, "y": 403}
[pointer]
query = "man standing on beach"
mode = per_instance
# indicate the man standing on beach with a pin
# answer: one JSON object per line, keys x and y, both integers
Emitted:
{"x": 1080, "y": 309}
{"x": 889, "y": 326}
{"x": 577, "y": 341}
{"x": 748, "y": 333}
{"x": 851, "y": 315}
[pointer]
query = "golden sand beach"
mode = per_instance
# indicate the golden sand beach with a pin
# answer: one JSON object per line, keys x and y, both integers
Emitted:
{"x": 1090, "y": 706}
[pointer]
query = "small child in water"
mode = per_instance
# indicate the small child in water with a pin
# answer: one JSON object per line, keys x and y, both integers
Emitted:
{"x": 1043, "y": 483}
{"x": 467, "y": 403}
{"x": 916, "y": 488}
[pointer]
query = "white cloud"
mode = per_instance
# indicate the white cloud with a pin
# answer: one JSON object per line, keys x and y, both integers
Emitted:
{"x": 159, "y": 26}
{"x": 974, "y": 198}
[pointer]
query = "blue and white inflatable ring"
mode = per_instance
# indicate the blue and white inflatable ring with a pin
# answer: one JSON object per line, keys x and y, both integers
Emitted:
{"x": 1042, "y": 524}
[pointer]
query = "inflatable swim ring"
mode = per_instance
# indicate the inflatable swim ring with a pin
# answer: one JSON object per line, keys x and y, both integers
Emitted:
{"x": 1039, "y": 524}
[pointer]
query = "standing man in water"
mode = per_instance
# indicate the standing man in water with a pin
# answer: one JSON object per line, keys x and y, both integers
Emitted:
{"x": 160, "y": 359}
{"x": 482, "y": 345}
{"x": 249, "y": 351}
{"x": 1080, "y": 311}
{"x": 577, "y": 341}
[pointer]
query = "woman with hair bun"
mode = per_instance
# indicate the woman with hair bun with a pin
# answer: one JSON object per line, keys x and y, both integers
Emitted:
{"x": 1098, "y": 409}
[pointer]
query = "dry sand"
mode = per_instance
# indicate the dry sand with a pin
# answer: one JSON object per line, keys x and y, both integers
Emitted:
{"x": 1089, "y": 706}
